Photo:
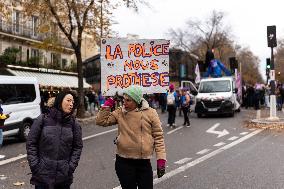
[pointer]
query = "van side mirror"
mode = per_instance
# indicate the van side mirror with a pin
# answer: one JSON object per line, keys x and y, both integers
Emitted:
{"x": 236, "y": 90}
{"x": 194, "y": 93}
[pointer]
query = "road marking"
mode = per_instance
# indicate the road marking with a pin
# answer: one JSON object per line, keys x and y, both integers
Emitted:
{"x": 13, "y": 159}
{"x": 6, "y": 161}
{"x": 203, "y": 158}
{"x": 219, "y": 133}
{"x": 99, "y": 134}
{"x": 219, "y": 144}
{"x": 233, "y": 138}
{"x": 203, "y": 151}
{"x": 182, "y": 161}
{"x": 243, "y": 133}
{"x": 178, "y": 128}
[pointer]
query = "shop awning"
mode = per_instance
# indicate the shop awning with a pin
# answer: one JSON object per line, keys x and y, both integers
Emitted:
{"x": 50, "y": 79}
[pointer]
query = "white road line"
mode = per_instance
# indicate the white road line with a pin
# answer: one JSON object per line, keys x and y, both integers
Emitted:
{"x": 182, "y": 161}
{"x": 203, "y": 151}
{"x": 178, "y": 128}
{"x": 233, "y": 138}
{"x": 243, "y": 133}
{"x": 13, "y": 159}
{"x": 203, "y": 158}
{"x": 3, "y": 162}
{"x": 219, "y": 144}
{"x": 99, "y": 134}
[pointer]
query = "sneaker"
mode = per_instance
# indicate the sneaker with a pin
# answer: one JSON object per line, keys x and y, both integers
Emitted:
{"x": 188, "y": 125}
{"x": 168, "y": 125}
{"x": 2, "y": 156}
{"x": 174, "y": 125}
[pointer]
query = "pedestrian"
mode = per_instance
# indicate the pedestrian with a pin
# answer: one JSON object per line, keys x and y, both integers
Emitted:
{"x": 139, "y": 134}
{"x": 3, "y": 117}
{"x": 185, "y": 105}
{"x": 172, "y": 101}
{"x": 215, "y": 66}
{"x": 54, "y": 145}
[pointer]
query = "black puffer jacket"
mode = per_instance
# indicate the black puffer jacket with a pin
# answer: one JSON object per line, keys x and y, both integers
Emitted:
{"x": 54, "y": 148}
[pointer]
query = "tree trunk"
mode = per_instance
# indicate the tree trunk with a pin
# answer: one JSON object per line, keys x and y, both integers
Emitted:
{"x": 81, "y": 107}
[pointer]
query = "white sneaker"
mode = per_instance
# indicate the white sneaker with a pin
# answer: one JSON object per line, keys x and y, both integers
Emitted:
{"x": 2, "y": 156}
{"x": 168, "y": 125}
{"x": 174, "y": 125}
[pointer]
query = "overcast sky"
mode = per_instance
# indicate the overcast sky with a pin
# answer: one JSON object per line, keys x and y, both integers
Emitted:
{"x": 248, "y": 20}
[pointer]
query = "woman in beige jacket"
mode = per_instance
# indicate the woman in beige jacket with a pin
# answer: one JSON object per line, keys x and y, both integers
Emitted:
{"x": 139, "y": 134}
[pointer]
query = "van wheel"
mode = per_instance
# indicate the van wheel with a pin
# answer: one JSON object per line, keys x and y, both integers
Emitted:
{"x": 199, "y": 115}
{"x": 24, "y": 131}
{"x": 232, "y": 114}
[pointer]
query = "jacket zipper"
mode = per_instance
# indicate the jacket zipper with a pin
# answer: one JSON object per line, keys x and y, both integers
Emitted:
{"x": 57, "y": 152}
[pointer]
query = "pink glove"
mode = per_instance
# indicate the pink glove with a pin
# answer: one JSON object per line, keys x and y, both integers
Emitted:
{"x": 161, "y": 167}
{"x": 109, "y": 102}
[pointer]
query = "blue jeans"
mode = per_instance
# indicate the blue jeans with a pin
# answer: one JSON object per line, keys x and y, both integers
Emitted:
{"x": 1, "y": 137}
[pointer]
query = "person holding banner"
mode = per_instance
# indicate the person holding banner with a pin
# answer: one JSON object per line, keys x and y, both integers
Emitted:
{"x": 139, "y": 134}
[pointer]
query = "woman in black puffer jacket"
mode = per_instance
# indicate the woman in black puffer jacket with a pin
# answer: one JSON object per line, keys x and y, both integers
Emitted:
{"x": 54, "y": 145}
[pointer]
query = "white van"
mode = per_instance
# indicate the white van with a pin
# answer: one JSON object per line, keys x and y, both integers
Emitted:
{"x": 217, "y": 96}
{"x": 20, "y": 97}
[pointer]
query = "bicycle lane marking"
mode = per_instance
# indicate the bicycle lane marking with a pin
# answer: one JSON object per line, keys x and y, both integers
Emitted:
{"x": 203, "y": 158}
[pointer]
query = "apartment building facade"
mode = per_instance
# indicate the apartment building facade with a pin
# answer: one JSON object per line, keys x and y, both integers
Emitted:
{"x": 21, "y": 32}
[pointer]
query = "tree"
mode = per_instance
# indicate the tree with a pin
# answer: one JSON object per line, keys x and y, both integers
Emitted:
{"x": 9, "y": 56}
{"x": 249, "y": 65}
{"x": 279, "y": 60}
{"x": 199, "y": 36}
{"x": 74, "y": 18}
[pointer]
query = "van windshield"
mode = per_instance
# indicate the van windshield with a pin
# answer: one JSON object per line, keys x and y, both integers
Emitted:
{"x": 215, "y": 86}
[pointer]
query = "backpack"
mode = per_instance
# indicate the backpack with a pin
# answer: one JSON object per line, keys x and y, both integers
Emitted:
{"x": 171, "y": 98}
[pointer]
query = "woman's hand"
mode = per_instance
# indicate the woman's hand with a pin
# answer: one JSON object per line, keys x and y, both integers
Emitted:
{"x": 161, "y": 167}
{"x": 109, "y": 102}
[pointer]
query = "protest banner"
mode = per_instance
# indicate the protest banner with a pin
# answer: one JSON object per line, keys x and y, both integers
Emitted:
{"x": 126, "y": 62}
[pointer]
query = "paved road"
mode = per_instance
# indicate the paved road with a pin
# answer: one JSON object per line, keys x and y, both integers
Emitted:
{"x": 197, "y": 158}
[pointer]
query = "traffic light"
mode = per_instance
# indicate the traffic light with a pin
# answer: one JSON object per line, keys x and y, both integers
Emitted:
{"x": 233, "y": 64}
{"x": 271, "y": 36}
{"x": 268, "y": 63}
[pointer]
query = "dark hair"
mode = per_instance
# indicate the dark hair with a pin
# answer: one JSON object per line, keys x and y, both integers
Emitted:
{"x": 59, "y": 98}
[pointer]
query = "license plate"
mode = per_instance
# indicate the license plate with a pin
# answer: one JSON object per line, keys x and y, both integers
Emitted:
{"x": 212, "y": 109}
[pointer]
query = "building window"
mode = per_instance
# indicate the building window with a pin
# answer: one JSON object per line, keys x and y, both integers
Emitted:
{"x": 16, "y": 21}
{"x": 34, "y": 25}
{"x": 28, "y": 54}
{"x": 0, "y": 22}
{"x": 20, "y": 53}
{"x": 55, "y": 60}
{"x": 64, "y": 63}
{"x": 35, "y": 53}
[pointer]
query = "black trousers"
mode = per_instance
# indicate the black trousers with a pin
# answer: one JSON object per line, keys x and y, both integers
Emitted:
{"x": 185, "y": 111}
{"x": 172, "y": 114}
{"x": 133, "y": 173}
{"x": 55, "y": 187}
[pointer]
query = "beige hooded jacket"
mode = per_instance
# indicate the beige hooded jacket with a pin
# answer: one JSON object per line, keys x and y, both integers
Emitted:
{"x": 139, "y": 131}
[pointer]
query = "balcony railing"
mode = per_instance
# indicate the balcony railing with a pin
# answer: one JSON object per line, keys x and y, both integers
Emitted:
{"x": 28, "y": 32}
